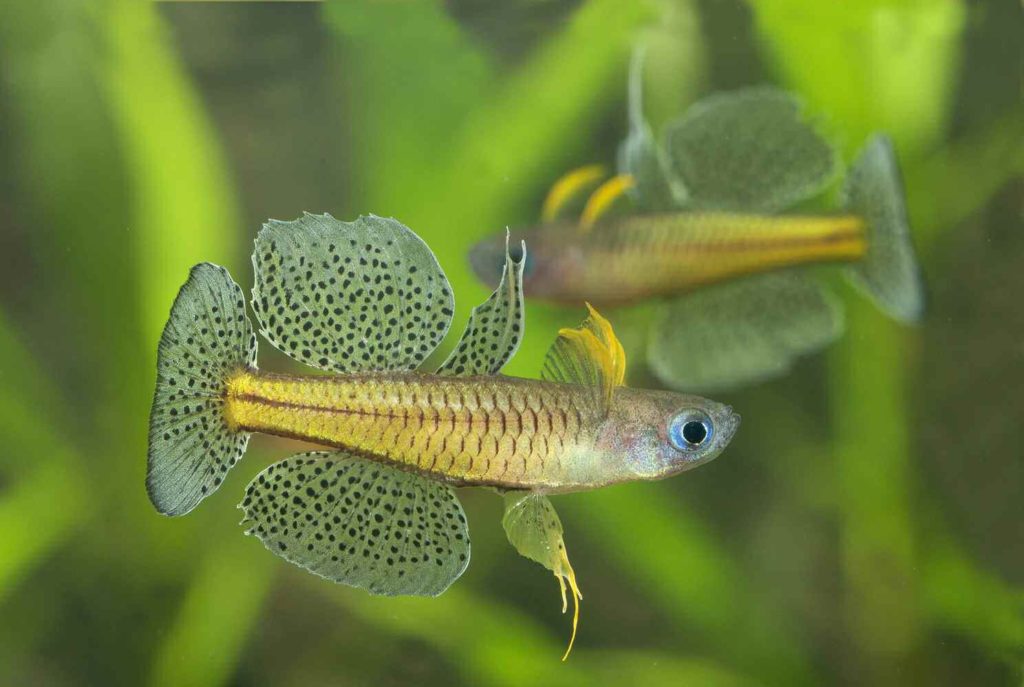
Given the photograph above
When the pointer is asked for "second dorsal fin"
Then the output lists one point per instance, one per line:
(589, 355)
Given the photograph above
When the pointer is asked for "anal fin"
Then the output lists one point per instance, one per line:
(360, 523)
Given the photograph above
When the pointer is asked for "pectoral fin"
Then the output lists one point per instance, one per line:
(533, 528)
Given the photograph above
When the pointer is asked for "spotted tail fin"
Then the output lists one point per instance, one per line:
(191, 444)
(889, 272)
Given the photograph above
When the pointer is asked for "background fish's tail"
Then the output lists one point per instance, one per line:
(889, 271)
(191, 444)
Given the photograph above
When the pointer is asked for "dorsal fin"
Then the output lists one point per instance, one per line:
(569, 187)
(603, 199)
(495, 327)
(589, 355)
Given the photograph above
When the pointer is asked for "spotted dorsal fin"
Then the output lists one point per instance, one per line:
(349, 296)
(589, 355)
(495, 327)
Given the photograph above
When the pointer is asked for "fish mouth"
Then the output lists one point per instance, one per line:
(730, 425)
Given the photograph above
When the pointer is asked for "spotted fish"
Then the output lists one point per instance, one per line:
(367, 303)
(707, 236)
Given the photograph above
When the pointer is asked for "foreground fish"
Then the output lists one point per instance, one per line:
(368, 302)
(707, 232)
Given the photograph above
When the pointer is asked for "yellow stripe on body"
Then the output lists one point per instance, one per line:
(474, 430)
(659, 255)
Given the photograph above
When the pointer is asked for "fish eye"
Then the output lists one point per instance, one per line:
(690, 429)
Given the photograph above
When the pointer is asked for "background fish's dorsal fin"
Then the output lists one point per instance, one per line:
(749, 150)
(568, 189)
(354, 296)
(495, 327)
(589, 355)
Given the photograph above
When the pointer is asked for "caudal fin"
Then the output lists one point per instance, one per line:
(206, 339)
(889, 271)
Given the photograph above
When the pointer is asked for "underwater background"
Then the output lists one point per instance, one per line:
(866, 526)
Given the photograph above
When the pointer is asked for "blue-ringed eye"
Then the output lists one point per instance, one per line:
(690, 429)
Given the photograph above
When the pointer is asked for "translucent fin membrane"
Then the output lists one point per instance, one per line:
(748, 151)
(206, 340)
(495, 327)
(534, 529)
(742, 331)
(350, 296)
(591, 356)
(360, 523)
(642, 158)
(889, 272)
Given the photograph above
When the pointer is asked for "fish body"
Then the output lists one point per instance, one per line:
(489, 430)
(629, 259)
(367, 303)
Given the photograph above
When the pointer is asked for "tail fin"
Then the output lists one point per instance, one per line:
(889, 271)
(206, 339)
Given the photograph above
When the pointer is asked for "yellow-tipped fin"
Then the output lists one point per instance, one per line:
(568, 187)
(534, 529)
(603, 198)
(590, 355)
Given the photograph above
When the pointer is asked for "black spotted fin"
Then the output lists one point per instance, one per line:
(495, 327)
(749, 150)
(589, 355)
(343, 296)
(746, 330)
(207, 338)
(360, 522)
(534, 529)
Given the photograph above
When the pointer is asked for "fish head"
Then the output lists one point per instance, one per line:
(651, 435)
(550, 262)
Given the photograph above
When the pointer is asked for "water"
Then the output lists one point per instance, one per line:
(865, 526)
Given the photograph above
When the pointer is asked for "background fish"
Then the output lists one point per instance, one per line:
(368, 302)
(708, 230)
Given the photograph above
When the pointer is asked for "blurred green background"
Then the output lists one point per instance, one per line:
(865, 527)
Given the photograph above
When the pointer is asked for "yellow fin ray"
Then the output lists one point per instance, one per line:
(589, 355)
(568, 187)
(534, 529)
(603, 199)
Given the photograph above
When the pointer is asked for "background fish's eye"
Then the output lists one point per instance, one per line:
(690, 429)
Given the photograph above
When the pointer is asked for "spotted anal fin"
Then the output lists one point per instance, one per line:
(749, 150)
(742, 331)
(567, 191)
(495, 327)
(589, 355)
(534, 529)
(349, 296)
(360, 523)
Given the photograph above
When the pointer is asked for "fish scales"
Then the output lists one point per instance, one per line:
(465, 430)
(658, 255)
